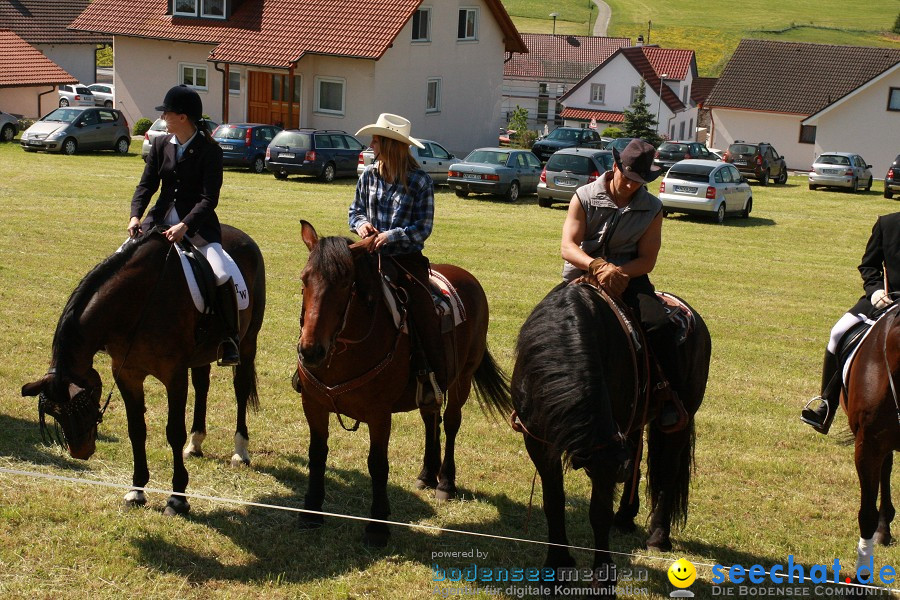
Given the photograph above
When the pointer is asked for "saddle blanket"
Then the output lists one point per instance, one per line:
(446, 300)
(848, 361)
(240, 286)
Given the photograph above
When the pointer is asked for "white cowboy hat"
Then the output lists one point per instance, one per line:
(391, 126)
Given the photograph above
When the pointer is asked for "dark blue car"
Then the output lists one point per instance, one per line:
(323, 153)
(244, 144)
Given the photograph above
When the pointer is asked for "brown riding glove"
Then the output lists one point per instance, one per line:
(609, 276)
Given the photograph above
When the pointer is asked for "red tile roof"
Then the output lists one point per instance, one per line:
(561, 57)
(22, 65)
(795, 77)
(45, 21)
(674, 62)
(701, 87)
(276, 33)
(602, 116)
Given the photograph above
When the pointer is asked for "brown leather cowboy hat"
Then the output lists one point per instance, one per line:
(636, 161)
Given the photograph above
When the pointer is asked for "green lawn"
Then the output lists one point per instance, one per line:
(766, 486)
(713, 29)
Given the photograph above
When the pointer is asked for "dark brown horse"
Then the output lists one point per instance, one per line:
(872, 404)
(353, 361)
(136, 306)
(573, 371)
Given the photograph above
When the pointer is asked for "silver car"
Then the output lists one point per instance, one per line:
(75, 128)
(706, 187)
(500, 171)
(569, 169)
(104, 94)
(433, 158)
(159, 128)
(9, 126)
(840, 169)
(75, 95)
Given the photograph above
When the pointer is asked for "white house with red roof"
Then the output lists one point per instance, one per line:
(28, 79)
(605, 92)
(553, 64)
(316, 63)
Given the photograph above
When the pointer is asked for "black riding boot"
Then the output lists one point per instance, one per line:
(226, 298)
(821, 416)
(665, 349)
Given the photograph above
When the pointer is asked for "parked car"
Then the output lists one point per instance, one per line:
(892, 179)
(758, 160)
(717, 154)
(506, 136)
(75, 95)
(565, 137)
(324, 153)
(706, 187)
(104, 94)
(619, 143)
(159, 128)
(245, 144)
(74, 128)
(500, 171)
(9, 127)
(840, 169)
(670, 153)
(433, 158)
(568, 170)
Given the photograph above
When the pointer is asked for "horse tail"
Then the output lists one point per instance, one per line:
(492, 386)
(671, 475)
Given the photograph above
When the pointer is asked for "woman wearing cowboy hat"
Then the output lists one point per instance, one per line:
(394, 210)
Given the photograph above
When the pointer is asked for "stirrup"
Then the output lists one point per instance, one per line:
(432, 398)
(821, 426)
(226, 358)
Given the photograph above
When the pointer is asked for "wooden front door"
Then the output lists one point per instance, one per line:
(271, 101)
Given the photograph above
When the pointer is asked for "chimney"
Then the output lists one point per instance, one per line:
(640, 40)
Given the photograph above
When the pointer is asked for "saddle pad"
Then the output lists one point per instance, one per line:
(240, 287)
(680, 315)
(448, 302)
(849, 361)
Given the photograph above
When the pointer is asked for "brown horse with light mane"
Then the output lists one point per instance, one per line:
(355, 361)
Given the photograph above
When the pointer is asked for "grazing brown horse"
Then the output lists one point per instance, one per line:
(136, 306)
(872, 404)
(355, 362)
(574, 369)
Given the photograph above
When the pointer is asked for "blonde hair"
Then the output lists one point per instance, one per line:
(395, 161)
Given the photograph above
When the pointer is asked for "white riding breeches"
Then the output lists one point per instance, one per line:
(841, 327)
(212, 252)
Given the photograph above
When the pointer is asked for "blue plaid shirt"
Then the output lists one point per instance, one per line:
(406, 215)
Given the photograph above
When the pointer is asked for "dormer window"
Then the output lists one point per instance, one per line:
(185, 8)
(213, 9)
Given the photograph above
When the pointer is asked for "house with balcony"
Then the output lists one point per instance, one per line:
(316, 63)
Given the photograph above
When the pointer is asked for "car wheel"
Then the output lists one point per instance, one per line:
(327, 173)
(782, 177)
(107, 104)
(887, 192)
(70, 146)
(854, 186)
(63, 102)
(665, 213)
(462, 194)
(745, 214)
(8, 133)
(512, 194)
(122, 145)
(813, 186)
(720, 214)
(544, 202)
(764, 178)
(869, 185)
(280, 175)
(259, 165)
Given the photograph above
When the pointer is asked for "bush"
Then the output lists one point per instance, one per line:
(141, 126)
(612, 132)
(897, 24)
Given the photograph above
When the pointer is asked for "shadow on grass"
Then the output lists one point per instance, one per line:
(21, 439)
(750, 221)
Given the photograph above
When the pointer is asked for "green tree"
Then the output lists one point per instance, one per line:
(897, 24)
(639, 121)
(524, 137)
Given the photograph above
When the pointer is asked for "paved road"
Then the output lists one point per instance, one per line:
(603, 15)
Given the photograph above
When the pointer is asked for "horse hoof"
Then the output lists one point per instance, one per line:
(188, 453)
(444, 495)
(135, 499)
(308, 522)
(176, 505)
(426, 484)
(239, 461)
(659, 540)
(624, 523)
(883, 538)
(376, 538)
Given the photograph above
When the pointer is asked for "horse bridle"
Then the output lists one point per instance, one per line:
(85, 400)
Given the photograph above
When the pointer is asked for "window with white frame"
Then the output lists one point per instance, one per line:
(433, 96)
(634, 94)
(421, 25)
(234, 82)
(598, 93)
(330, 95)
(187, 8)
(214, 8)
(192, 76)
(468, 24)
(893, 99)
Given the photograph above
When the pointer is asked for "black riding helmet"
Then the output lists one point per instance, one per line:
(183, 100)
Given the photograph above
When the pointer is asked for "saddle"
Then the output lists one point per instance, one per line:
(203, 274)
(853, 338)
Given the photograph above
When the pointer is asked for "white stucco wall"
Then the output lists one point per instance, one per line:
(79, 60)
(24, 100)
(862, 124)
(780, 130)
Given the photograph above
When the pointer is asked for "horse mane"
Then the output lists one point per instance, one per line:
(68, 333)
(331, 258)
(560, 387)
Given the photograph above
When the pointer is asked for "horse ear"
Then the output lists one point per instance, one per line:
(309, 235)
(34, 388)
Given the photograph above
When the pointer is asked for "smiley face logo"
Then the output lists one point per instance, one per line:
(682, 573)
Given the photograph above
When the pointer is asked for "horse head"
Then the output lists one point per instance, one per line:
(336, 272)
(74, 403)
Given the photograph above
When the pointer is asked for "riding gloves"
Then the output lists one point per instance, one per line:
(609, 276)
(880, 299)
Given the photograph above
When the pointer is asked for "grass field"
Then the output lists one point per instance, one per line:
(766, 486)
(713, 29)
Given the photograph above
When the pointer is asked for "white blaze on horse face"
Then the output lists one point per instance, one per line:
(241, 455)
(74, 390)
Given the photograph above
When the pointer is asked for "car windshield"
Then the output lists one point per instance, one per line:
(576, 163)
(63, 115)
(690, 172)
(742, 149)
(670, 147)
(833, 159)
(158, 125)
(489, 157)
(292, 139)
(83, 90)
(230, 133)
(563, 135)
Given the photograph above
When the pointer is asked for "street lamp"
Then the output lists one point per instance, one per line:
(553, 15)
(658, 106)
